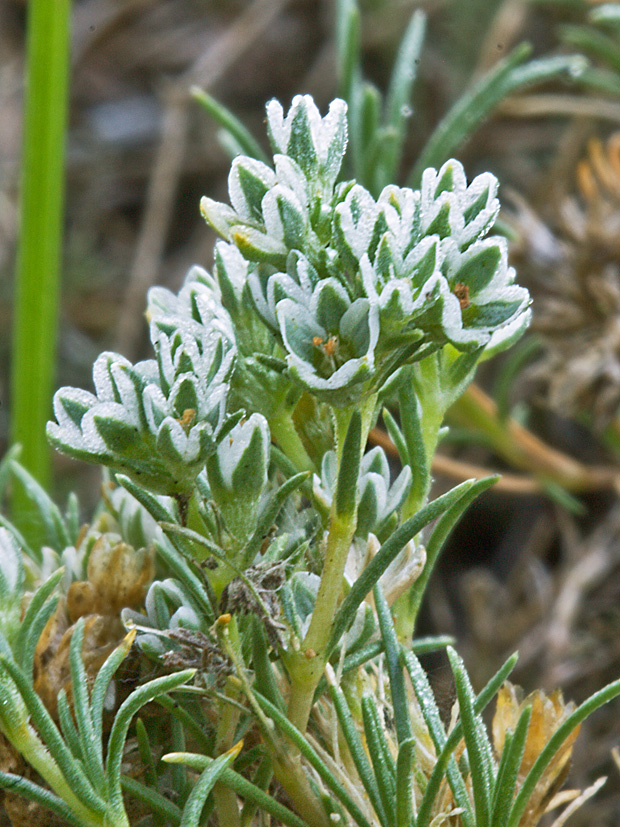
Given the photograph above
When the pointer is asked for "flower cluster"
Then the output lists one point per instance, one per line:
(159, 420)
(351, 286)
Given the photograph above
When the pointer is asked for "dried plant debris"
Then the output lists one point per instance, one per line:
(563, 617)
(575, 258)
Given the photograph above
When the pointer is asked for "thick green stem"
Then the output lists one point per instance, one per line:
(40, 239)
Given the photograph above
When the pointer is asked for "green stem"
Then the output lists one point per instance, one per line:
(426, 387)
(309, 665)
(290, 443)
(226, 803)
(40, 240)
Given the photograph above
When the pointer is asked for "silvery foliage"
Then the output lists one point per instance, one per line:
(159, 420)
(353, 286)
(377, 499)
(12, 585)
(299, 598)
(167, 607)
(237, 474)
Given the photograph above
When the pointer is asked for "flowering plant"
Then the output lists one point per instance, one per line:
(264, 569)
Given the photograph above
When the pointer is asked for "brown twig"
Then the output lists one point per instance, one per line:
(458, 470)
(513, 442)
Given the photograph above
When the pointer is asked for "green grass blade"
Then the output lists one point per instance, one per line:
(474, 734)
(389, 550)
(469, 112)
(358, 752)
(582, 712)
(232, 125)
(40, 239)
(508, 770)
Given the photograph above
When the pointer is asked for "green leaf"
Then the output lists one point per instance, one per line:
(48, 516)
(264, 680)
(116, 742)
(474, 734)
(69, 730)
(587, 39)
(348, 47)
(413, 435)
(39, 611)
(388, 552)
(18, 785)
(508, 770)
(404, 785)
(242, 787)
(358, 752)
(70, 767)
(91, 747)
(603, 696)
(311, 756)
(398, 102)
(231, 124)
(158, 804)
(400, 701)
(102, 681)
(468, 113)
(445, 756)
(440, 533)
(382, 761)
(348, 473)
(198, 796)
(432, 718)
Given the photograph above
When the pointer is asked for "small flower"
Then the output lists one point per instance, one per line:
(329, 341)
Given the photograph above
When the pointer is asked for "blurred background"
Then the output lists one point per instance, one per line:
(535, 566)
